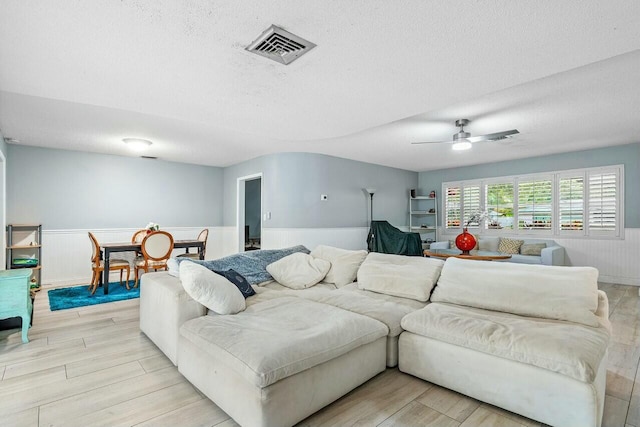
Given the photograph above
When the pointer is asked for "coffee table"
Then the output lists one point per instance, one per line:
(476, 255)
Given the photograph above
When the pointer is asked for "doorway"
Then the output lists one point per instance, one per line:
(249, 213)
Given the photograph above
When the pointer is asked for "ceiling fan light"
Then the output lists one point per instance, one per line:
(137, 144)
(461, 145)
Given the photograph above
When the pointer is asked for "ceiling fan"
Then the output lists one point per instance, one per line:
(463, 140)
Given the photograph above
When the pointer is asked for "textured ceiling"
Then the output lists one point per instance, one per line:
(83, 75)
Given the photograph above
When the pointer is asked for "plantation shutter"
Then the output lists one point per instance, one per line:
(535, 199)
(470, 203)
(603, 202)
(452, 207)
(571, 194)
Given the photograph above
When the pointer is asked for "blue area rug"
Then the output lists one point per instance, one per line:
(79, 296)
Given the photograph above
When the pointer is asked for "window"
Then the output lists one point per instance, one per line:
(571, 203)
(470, 204)
(535, 204)
(452, 207)
(584, 202)
(603, 203)
(499, 206)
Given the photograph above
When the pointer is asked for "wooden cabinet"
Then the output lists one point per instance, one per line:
(24, 250)
(423, 218)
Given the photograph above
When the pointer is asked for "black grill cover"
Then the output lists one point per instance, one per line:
(387, 239)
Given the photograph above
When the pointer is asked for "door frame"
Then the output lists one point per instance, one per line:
(3, 210)
(240, 208)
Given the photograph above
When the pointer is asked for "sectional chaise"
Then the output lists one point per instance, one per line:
(302, 333)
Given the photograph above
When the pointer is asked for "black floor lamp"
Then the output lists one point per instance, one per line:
(371, 192)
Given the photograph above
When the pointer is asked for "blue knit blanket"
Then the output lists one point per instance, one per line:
(251, 265)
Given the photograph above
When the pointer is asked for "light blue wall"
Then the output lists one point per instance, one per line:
(293, 183)
(76, 190)
(628, 155)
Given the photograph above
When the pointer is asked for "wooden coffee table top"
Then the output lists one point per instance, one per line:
(476, 255)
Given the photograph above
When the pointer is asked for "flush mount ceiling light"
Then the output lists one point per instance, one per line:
(137, 144)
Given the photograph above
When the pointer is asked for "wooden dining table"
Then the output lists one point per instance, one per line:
(109, 248)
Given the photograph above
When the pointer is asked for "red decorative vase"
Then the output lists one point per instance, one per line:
(465, 241)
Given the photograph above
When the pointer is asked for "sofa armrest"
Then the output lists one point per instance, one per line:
(553, 255)
(164, 307)
(439, 245)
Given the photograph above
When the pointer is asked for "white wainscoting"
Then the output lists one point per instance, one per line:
(618, 261)
(66, 254)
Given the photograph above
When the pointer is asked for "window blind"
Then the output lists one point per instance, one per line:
(571, 203)
(452, 207)
(470, 204)
(603, 201)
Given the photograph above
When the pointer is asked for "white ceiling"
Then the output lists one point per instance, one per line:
(82, 75)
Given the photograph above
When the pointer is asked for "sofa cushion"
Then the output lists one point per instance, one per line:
(210, 289)
(532, 248)
(264, 345)
(563, 293)
(510, 246)
(398, 275)
(388, 312)
(489, 244)
(299, 271)
(344, 263)
(563, 347)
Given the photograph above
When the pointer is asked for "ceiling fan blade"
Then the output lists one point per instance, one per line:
(432, 142)
(493, 136)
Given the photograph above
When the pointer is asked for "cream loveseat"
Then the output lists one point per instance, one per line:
(288, 352)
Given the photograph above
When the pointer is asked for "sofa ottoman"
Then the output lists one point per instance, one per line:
(280, 360)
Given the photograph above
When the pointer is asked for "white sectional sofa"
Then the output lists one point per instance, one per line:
(552, 254)
(489, 331)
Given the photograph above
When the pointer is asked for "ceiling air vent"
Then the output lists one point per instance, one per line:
(280, 45)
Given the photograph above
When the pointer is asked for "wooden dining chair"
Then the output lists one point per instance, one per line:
(156, 250)
(202, 237)
(137, 238)
(97, 265)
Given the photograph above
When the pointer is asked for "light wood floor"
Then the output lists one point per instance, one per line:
(93, 367)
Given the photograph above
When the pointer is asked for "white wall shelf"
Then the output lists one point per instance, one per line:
(423, 218)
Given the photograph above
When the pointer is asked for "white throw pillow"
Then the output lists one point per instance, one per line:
(561, 293)
(344, 263)
(401, 276)
(210, 289)
(299, 270)
(173, 267)
(489, 244)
